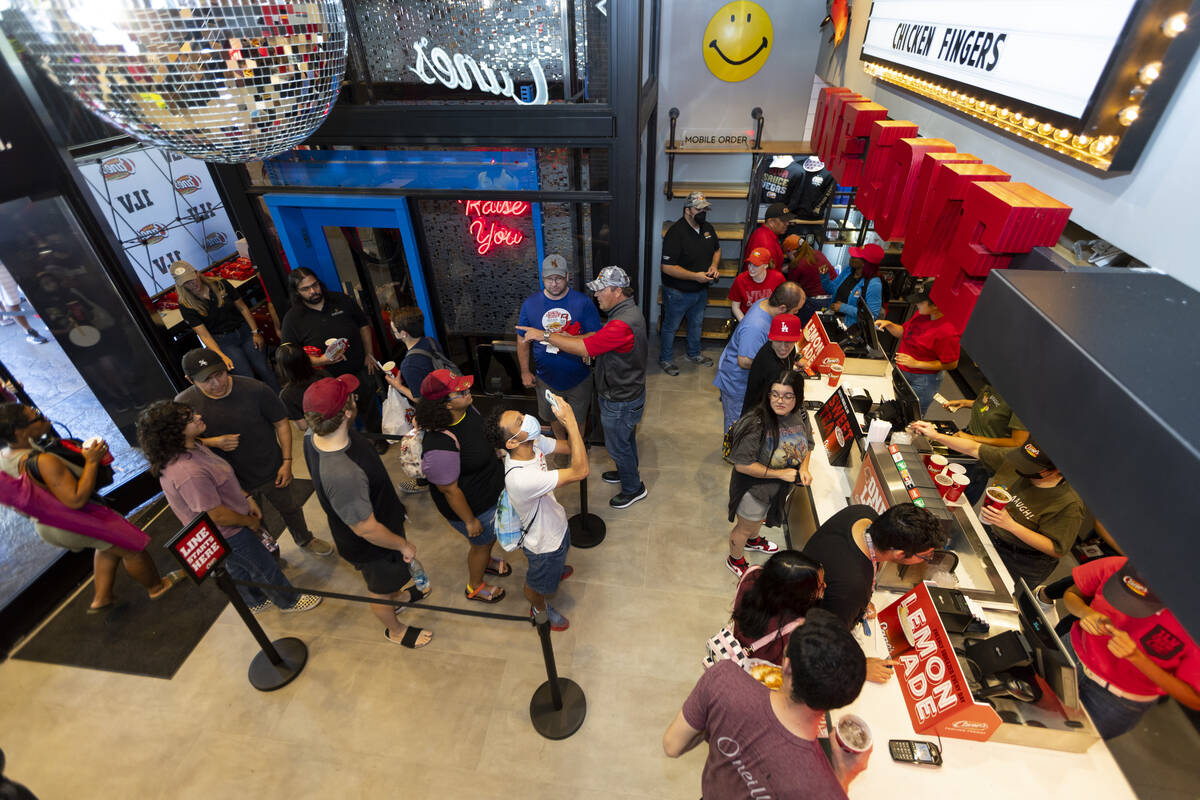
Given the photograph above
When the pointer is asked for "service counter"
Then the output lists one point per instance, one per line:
(1030, 753)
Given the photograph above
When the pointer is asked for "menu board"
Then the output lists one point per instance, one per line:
(816, 348)
(838, 427)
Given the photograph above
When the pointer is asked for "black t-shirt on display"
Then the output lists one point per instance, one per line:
(339, 317)
(684, 246)
(849, 574)
(250, 409)
(222, 317)
(481, 474)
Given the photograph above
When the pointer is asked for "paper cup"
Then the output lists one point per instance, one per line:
(853, 734)
(961, 482)
(390, 367)
(956, 469)
(944, 483)
(937, 462)
(996, 498)
(835, 374)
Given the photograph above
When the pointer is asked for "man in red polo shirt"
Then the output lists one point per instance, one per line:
(754, 284)
(928, 345)
(775, 222)
(1131, 648)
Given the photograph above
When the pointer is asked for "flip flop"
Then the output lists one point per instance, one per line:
(502, 571)
(409, 639)
(493, 595)
(171, 578)
(414, 596)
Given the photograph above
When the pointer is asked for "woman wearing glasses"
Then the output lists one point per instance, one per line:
(770, 447)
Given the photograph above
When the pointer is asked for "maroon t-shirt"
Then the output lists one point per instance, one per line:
(775, 649)
(750, 753)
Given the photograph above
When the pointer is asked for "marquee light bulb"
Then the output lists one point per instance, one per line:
(1062, 135)
(1031, 123)
(1045, 129)
(1128, 115)
(1174, 25)
(1003, 113)
(1149, 73)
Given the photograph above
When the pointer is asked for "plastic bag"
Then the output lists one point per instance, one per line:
(397, 414)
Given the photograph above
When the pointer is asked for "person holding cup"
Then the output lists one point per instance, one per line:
(1041, 518)
(770, 737)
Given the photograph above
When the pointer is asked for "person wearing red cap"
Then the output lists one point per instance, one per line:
(1130, 647)
(366, 517)
(928, 345)
(776, 356)
(465, 476)
(859, 279)
(755, 283)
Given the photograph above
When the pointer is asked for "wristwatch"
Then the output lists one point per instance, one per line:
(546, 337)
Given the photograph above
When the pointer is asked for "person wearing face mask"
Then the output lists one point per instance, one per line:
(558, 309)
(859, 279)
(1041, 523)
(776, 356)
(754, 284)
(690, 255)
(929, 343)
(770, 449)
(531, 484)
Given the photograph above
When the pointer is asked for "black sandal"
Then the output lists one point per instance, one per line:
(409, 639)
(490, 570)
(414, 596)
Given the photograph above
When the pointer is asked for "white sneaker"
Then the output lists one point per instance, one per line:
(261, 607)
(307, 602)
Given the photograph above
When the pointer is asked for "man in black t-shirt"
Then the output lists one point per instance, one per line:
(317, 316)
(366, 516)
(690, 255)
(854, 543)
(248, 426)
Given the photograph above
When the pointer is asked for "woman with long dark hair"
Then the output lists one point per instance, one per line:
(770, 597)
(860, 278)
(296, 373)
(770, 448)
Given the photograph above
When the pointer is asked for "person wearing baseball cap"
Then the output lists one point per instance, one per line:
(366, 517)
(1130, 648)
(754, 284)
(775, 222)
(691, 254)
(465, 477)
(556, 308)
(1043, 520)
(807, 196)
(619, 349)
(860, 278)
(778, 355)
(805, 265)
(929, 343)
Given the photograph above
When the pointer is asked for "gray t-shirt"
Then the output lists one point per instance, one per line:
(343, 486)
(250, 409)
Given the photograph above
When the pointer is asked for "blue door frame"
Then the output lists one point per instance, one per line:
(300, 220)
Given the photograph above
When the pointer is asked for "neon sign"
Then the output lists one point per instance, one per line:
(488, 233)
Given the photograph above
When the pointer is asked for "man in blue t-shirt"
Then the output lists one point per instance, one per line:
(558, 309)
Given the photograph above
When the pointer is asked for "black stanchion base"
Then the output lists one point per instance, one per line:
(564, 722)
(267, 677)
(587, 530)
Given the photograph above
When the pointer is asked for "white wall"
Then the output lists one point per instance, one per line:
(782, 88)
(1150, 213)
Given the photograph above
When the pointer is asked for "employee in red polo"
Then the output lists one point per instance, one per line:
(1130, 647)
(775, 222)
(929, 343)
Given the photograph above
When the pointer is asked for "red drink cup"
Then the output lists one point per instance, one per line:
(944, 483)
(835, 374)
(936, 464)
(956, 469)
(390, 367)
(853, 734)
(961, 482)
(996, 498)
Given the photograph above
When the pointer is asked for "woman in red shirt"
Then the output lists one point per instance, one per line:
(808, 265)
(928, 345)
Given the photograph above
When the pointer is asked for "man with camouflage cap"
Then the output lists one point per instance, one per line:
(690, 255)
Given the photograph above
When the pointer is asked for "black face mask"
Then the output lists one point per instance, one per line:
(700, 217)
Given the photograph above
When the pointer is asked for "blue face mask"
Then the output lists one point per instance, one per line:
(531, 427)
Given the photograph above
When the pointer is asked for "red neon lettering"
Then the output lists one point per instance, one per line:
(501, 208)
(488, 235)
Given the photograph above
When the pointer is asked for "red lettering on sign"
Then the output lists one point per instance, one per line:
(928, 244)
(488, 234)
(900, 179)
(884, 136)
(851, 140)
(823, 121)
(502, 208)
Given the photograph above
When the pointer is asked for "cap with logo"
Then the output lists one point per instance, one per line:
(778, 211)
(759, 257)
(608, 277)
(1029, 458)
(697, 201)
(183, 272)
(871, 253)
(328, 395)
(554, 264)
(441, 383)
(813, 164)
(790, 243)
(1128, 593)
(200, 364)
(786, 328)
(920, 292)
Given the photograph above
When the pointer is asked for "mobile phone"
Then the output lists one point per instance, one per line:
(915, 752)
(553, 403)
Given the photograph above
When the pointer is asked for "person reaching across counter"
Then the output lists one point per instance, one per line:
(773, 598)
(929, 343)
(992, 422)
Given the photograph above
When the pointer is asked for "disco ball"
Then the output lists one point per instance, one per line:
(221, 80)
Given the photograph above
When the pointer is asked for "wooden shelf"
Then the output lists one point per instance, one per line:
(728, 268)
(739, 191)
(717, 297)
(713, 329)
(726, 231)
(768, 148)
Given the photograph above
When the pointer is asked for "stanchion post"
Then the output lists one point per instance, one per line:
(279, 661)
(587, 530)
(558, 705)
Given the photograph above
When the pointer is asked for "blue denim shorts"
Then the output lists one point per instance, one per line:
(487, 518)
(546, 569)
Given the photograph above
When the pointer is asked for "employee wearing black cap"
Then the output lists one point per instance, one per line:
(928, 345)
(1043, 520)
(775, 222)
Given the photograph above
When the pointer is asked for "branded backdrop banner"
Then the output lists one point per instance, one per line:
(164, 208)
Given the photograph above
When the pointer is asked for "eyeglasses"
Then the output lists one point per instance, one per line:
(37, 417)
(928, 557)
(784, 397)
(308, 288)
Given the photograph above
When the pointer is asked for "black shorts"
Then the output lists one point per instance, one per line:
(385, 575)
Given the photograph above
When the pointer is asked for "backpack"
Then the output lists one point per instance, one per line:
(732, 436)
(412, 448)
(507, 522)
(439, 360)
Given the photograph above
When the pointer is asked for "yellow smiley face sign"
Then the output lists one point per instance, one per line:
(737, 41)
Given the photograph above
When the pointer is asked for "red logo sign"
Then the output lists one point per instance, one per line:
(215, 241)
(489, 234)
(868, 489)
(199, 547)
(818, 351)
(152, 233)
(186, 184)
(116, 168)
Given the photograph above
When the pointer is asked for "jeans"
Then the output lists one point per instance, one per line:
(924, 386)
(676, 306)
(1111, 715)
(731, 407)
(620, 419)
(250, 561)
(285, 502)
(247, 359)
(487, 519)
(979, 475)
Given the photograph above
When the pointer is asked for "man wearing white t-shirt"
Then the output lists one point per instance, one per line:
(531, 488)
